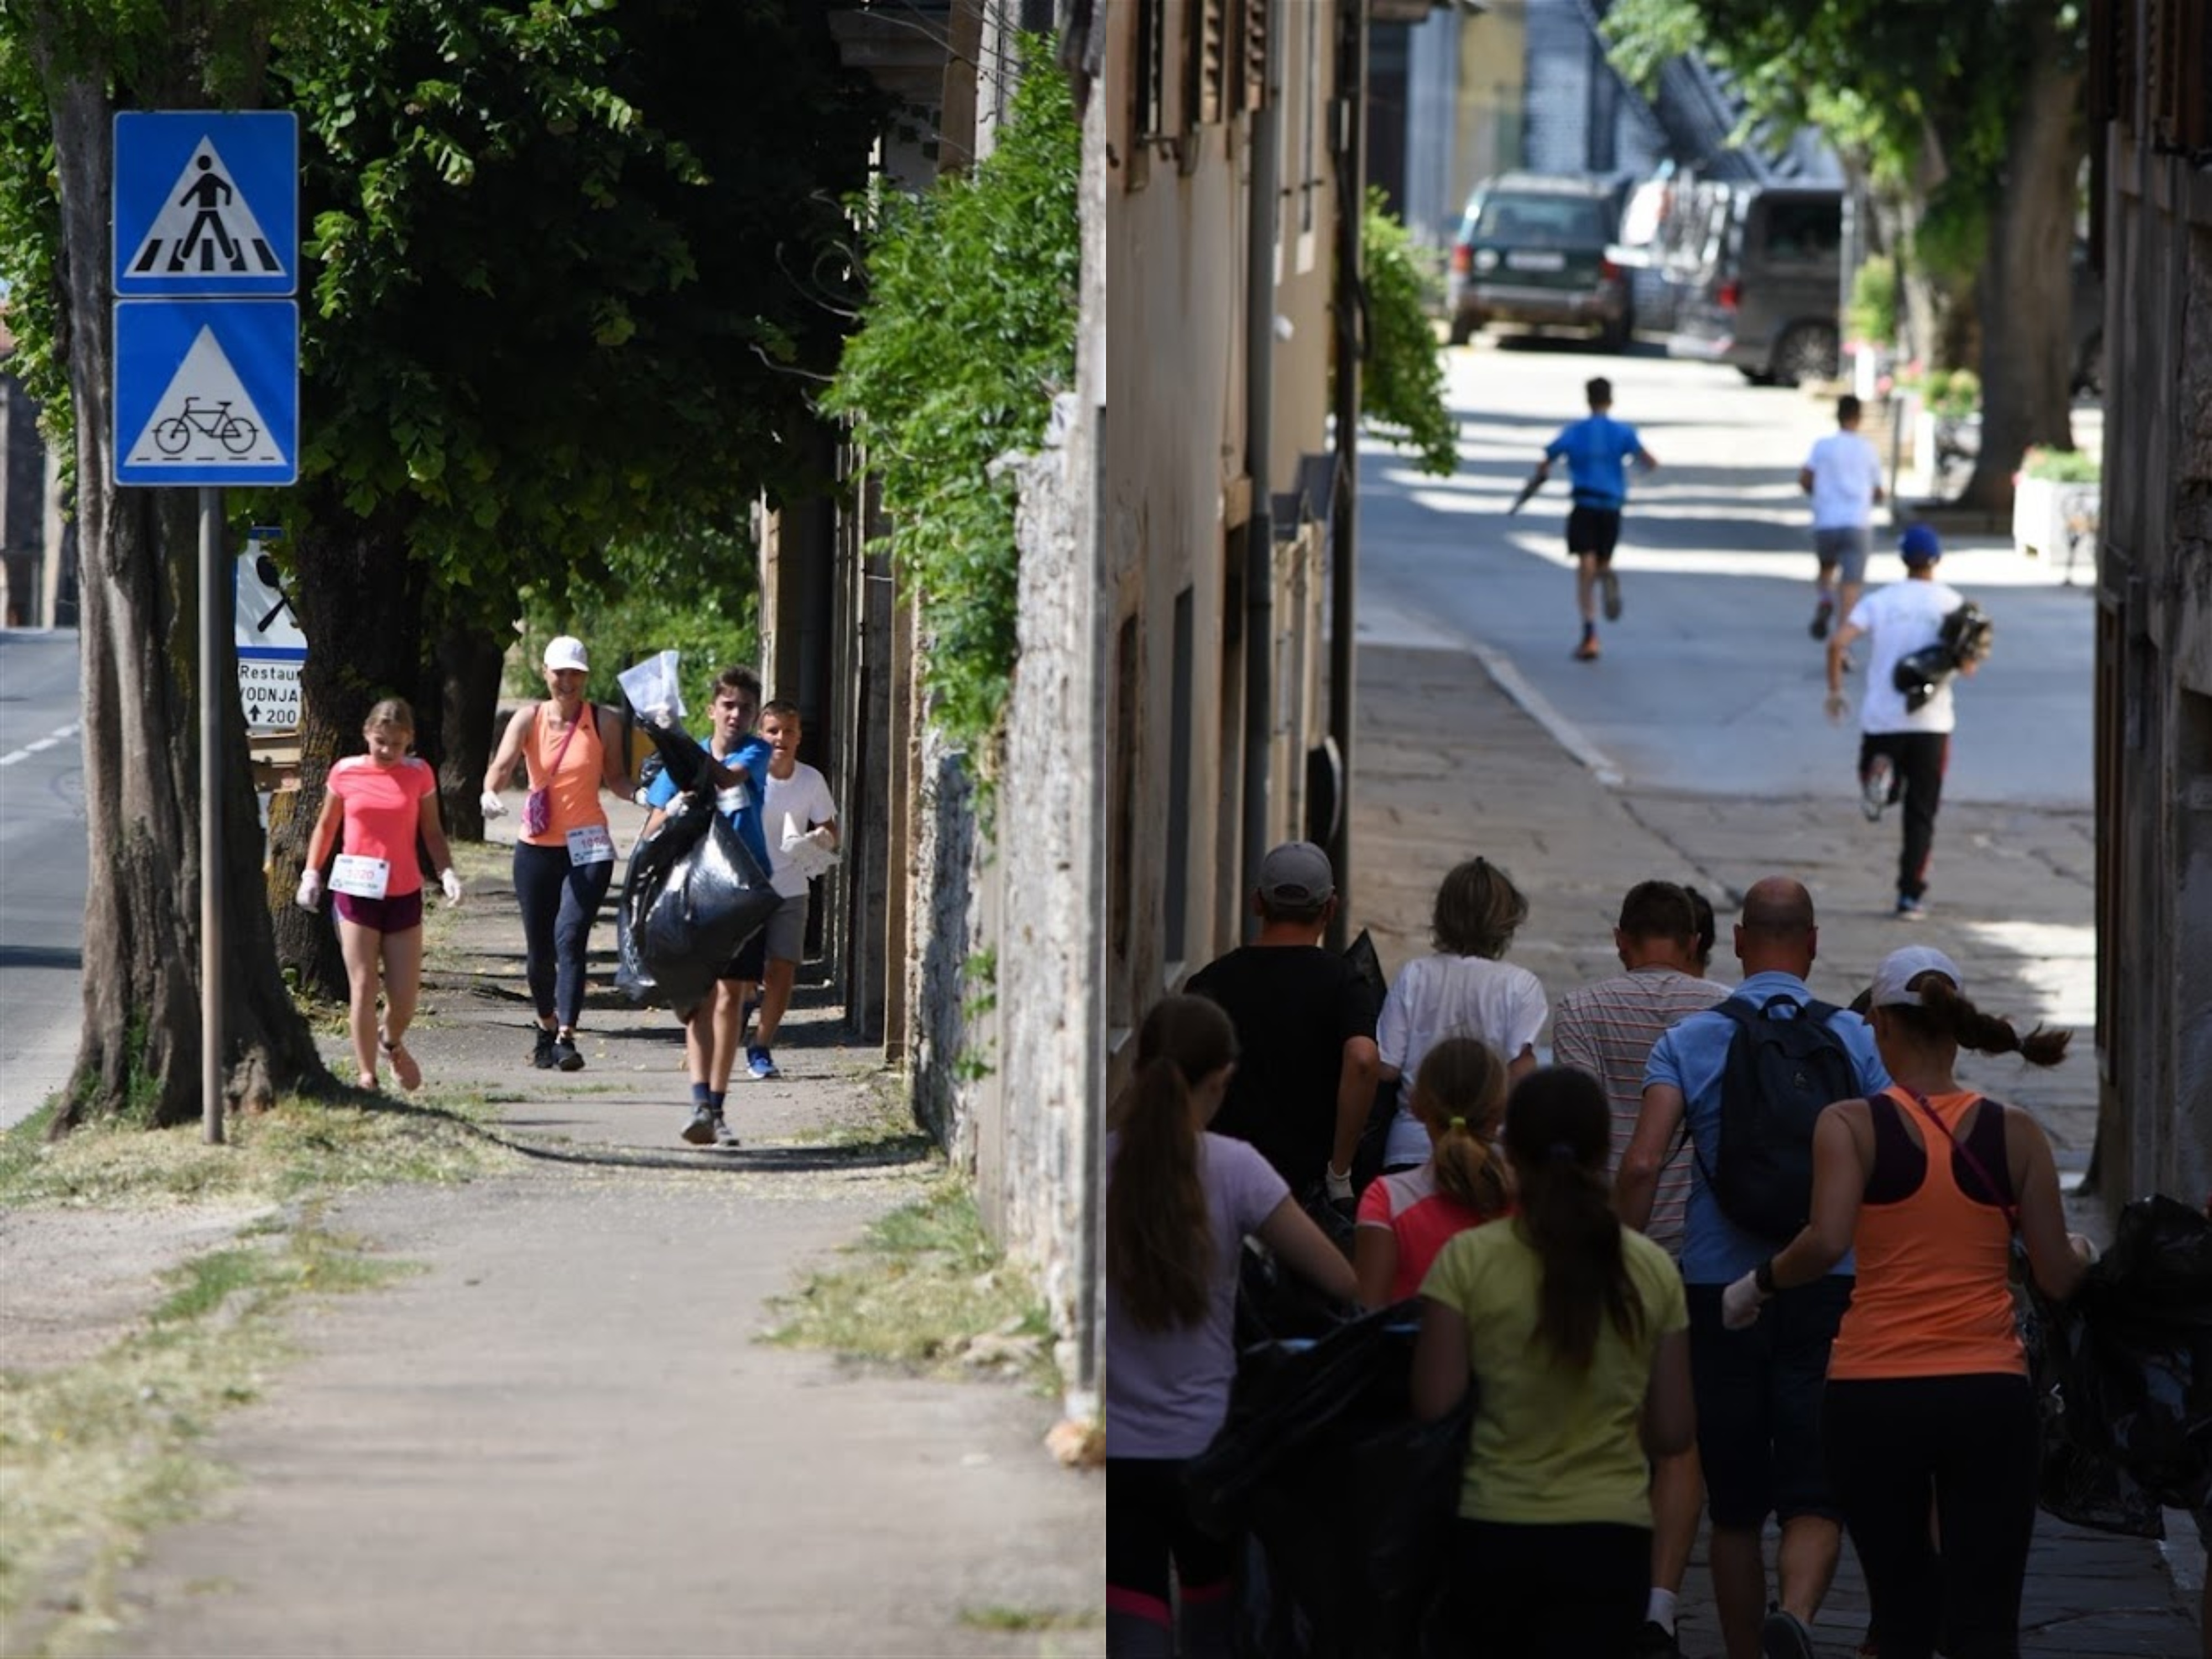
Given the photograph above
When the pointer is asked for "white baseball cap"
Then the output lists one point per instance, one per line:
(567, 651)
(1893, 981)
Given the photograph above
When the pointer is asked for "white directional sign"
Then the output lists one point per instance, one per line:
(207, 393)
(206, 203)
(270, 647)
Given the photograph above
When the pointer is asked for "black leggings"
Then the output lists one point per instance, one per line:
(1148, 1525)
(1569, 1590)
(1965, 1445)
(1919, 760)
(559, 901)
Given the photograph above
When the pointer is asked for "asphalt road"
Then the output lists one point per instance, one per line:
(42, 866)
(1710, 682)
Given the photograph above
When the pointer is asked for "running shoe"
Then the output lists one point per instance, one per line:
(1822, 615)
(1910, 908)
(1611, 584)
(565, 1056)
(1783, 1636)
(1587, 651)
(1875, 787)
(700, 1131)
(725, 1136)
(1656, 1641)
(542, 1056)
(759, 1064)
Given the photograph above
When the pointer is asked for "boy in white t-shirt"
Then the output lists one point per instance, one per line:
(796, 792)
(1842, 475)
(1903, 751)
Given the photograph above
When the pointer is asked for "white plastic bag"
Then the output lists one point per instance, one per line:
(651, 690)
(803, 852)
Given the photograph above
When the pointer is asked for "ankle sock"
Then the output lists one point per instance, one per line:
(717, 1098)
(700, 1095)
(1660, 1610)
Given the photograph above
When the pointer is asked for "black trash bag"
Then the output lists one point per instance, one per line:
(1367, 1160)
(2124, 1375)
(679, 752)
(1275, 1304)
(1347, 1499)
(696, 893)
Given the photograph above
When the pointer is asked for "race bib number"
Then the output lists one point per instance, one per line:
(591, 845)
(362, 877)
(734, 799)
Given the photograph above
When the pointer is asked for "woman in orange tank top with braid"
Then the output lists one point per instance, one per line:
(1928, 1400)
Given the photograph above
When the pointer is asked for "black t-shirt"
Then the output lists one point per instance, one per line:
(1294, 1007)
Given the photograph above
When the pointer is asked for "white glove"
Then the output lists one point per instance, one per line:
(1741, 1302)
(494, 808)
(823, 837)
(310, 896)
(1339, 1183)
(450, 880)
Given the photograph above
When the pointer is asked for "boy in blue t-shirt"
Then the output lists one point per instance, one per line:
(1596, 449)
(739, 772)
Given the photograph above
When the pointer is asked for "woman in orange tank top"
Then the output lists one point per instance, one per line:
(1928, 1400)
(564, 855)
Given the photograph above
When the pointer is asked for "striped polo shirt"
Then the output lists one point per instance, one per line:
(1607, 1030)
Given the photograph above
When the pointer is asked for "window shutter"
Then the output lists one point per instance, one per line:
(1209, 60)
(1254, 87)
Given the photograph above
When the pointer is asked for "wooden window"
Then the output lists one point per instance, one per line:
(1208, 64)
(1149, 111)
(1252, 76)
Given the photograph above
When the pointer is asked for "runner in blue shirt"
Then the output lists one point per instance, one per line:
(1596, 450)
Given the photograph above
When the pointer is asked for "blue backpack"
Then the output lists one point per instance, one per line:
(1783, 1069)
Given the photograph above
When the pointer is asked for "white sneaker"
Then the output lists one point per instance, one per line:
(1874, 788)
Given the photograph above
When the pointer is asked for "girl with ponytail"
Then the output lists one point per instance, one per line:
(1928, 1400)
(1179, 1201)
(1575, 1331)
(1405, 1218)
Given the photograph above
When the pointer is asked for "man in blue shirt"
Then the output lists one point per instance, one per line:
(739, 762)
(1759, 1404)
(1596, 450)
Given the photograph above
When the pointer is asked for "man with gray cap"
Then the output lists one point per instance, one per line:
(1306, 1064)
(1904, 744)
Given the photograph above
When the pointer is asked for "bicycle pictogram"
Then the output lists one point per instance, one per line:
(233, 432)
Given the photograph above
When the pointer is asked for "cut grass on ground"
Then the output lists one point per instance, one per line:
(95, 1454)
(926, 1289)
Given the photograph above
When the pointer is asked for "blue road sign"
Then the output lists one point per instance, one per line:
(207, 391)
(206, 203)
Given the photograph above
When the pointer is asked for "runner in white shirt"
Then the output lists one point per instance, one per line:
(1842, 475)
(796, 799)
(1904, 752)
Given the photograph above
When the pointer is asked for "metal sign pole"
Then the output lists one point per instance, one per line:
(213, 615)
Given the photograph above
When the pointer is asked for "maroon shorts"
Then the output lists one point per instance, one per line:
(395, 914)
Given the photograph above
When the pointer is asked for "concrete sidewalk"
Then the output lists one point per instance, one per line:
(561, 1438)
(1448, 765)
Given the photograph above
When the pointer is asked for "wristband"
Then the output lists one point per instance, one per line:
(1763, 1276)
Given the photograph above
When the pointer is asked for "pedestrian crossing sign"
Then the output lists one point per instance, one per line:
(206, 203)
(207, 393)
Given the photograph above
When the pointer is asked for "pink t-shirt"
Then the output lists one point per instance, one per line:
(1167, 1392)
(383, 809)
(1421, 1218)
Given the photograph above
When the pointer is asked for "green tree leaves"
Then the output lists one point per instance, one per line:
(1402, 389)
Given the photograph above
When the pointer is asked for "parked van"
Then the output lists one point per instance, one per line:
(1760, 292)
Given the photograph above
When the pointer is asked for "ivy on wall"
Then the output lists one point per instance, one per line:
(1402, 385)
(966, 335)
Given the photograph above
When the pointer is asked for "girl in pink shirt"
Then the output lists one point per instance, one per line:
(1459, 1096)
(384, 800)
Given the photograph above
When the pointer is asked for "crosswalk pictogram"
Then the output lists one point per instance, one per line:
(206, 226)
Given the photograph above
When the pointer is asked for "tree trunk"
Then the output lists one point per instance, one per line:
(140, 1047)
(470, 660)
(2026, 284)
(359, 597)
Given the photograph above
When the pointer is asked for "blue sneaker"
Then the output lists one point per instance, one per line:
(759, 1064)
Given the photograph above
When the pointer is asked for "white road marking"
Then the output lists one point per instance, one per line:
(53, 739)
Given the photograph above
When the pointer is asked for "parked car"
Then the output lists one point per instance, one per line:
(1763, 293)
(1533, 249)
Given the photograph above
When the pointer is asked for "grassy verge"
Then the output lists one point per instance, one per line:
(925, 1290)
(94, 1454)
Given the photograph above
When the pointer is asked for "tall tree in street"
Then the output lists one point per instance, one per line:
(1973, 114)
(68, 68)
(566, 294)
(558, 291)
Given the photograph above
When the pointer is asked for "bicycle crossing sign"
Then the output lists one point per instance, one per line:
(206, 203)
(207, 393)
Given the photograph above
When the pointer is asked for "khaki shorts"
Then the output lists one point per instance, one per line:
(782, 937)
